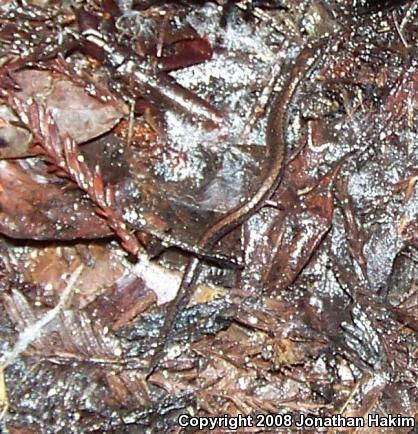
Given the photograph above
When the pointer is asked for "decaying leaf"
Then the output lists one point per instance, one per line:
(127, 130)
(26, 208)
(76, 113)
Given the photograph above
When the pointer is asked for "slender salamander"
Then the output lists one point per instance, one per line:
(276, 140)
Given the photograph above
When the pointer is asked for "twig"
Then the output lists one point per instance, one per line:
(4, 401)
(412, 9)
(131, 123)
(399, 30)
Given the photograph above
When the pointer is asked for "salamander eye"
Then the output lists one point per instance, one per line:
(369, 6)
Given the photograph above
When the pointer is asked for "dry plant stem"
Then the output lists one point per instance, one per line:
(4, 401)
(399, 30)
(410, 12)
(276, 139)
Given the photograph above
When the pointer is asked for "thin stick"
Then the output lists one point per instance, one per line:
(399, 30)
(413, 8)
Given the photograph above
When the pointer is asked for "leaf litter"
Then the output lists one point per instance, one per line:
(308, 307)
